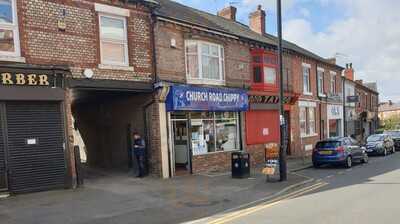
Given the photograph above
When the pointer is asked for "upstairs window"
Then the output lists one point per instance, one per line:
(9, 36)
(321, 82)
(333, 83)
(113, 40)
(264, 68)
(306, 79)
(204, 62)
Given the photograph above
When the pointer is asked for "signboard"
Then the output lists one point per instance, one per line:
(335, 112)
(255, 99)
(19, 79)
(352, 99)
(191, 98)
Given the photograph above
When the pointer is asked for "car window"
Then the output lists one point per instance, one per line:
(375, 138)
(328, 144)
(394, 134)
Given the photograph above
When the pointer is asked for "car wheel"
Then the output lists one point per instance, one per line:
(365, 159)
(349, 162)
(316, 165)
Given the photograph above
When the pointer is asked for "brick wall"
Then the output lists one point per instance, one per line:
(42, 42)
(171, 60)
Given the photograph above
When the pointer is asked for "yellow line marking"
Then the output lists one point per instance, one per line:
(244, 212)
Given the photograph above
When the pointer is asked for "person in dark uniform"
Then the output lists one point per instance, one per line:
(138, 153)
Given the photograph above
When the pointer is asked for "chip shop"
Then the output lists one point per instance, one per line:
(204, 127)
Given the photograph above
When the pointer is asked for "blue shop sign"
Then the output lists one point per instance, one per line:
(191, 98)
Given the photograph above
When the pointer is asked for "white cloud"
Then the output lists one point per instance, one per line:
(305, 12)
(369, 35)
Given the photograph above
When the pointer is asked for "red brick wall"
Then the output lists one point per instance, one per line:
(218, 162)
(78, 46)
(171, 60)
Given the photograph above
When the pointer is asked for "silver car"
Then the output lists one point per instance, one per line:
(380, 144)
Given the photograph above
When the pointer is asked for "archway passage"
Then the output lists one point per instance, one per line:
(103, 125)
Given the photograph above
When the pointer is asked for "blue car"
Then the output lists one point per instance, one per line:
(340, 150)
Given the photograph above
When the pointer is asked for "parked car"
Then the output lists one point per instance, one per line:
(396, 138)
(341, 150)
(380, 144)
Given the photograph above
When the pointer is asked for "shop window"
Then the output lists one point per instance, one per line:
(9, 36)
(307, 121)
(113, 40)
(306, 79)
(214, 132)
(204, 62)
(321, 82)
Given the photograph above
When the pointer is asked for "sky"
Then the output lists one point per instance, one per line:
(363, 32)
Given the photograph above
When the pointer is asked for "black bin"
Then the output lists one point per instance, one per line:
(240, 165)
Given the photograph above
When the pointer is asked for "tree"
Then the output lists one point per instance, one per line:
(392, 123)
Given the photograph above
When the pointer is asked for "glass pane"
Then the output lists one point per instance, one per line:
(7, 40)
(205, 49)
(269, 75)
(214, 50)
(257, 74)
(191, 48)
(113, 52)
(6, 11)
(201, 115)
(193, 66)
(209, 135)
(112, 28)
(226, 135)
(225, 115)
(210, 67)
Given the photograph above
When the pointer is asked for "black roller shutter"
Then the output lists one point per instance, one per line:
(35, 146)
(3, 182)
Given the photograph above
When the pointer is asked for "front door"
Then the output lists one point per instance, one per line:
(181, 147)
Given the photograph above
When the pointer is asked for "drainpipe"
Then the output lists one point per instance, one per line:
(344, 106)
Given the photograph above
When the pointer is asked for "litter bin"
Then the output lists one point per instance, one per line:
(240, 165)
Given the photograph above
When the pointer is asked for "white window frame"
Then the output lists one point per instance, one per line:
(14, 27)
(310, 124)
(307, 90)
(320, 77)
(333, 83)
(125, 41)
(200, 79)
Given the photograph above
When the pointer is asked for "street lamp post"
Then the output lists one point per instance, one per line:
(282, 146)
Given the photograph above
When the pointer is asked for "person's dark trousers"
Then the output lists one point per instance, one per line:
(140, 164)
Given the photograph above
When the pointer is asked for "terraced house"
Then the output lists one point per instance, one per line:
(202, 52)
(67, 66)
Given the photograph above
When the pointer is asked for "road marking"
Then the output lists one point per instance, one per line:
(245, 212)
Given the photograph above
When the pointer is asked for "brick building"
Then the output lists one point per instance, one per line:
(91, 61)
(249, 63)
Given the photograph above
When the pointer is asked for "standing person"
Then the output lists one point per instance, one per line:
(138, 152)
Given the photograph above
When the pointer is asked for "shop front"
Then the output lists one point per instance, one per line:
(262, 122)
(204, 127)
(335, 120)
(33, 147)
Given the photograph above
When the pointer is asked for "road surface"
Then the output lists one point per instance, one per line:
(365, 194)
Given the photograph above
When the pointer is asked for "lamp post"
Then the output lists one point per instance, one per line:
(282, 145)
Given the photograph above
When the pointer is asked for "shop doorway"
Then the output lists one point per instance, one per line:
(181, 146)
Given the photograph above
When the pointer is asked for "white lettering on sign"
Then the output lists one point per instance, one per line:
(212, 97)
(265, 131)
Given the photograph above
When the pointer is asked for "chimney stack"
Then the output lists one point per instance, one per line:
(349, 71)
(257, 20)
(228, 13)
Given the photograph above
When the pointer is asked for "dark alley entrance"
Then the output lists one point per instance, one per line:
(103, 125)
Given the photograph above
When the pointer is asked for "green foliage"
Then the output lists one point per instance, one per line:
(392, 123)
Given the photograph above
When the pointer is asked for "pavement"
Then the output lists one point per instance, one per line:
(365, 193)
(119, 198)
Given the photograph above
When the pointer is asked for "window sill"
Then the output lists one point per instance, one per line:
(211, 153)
(307, 93)
(321, 95)
(206, 82)
(116, 67)
(12, 58)
(309, 136)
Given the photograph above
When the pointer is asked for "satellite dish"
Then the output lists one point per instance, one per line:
(88, 73)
